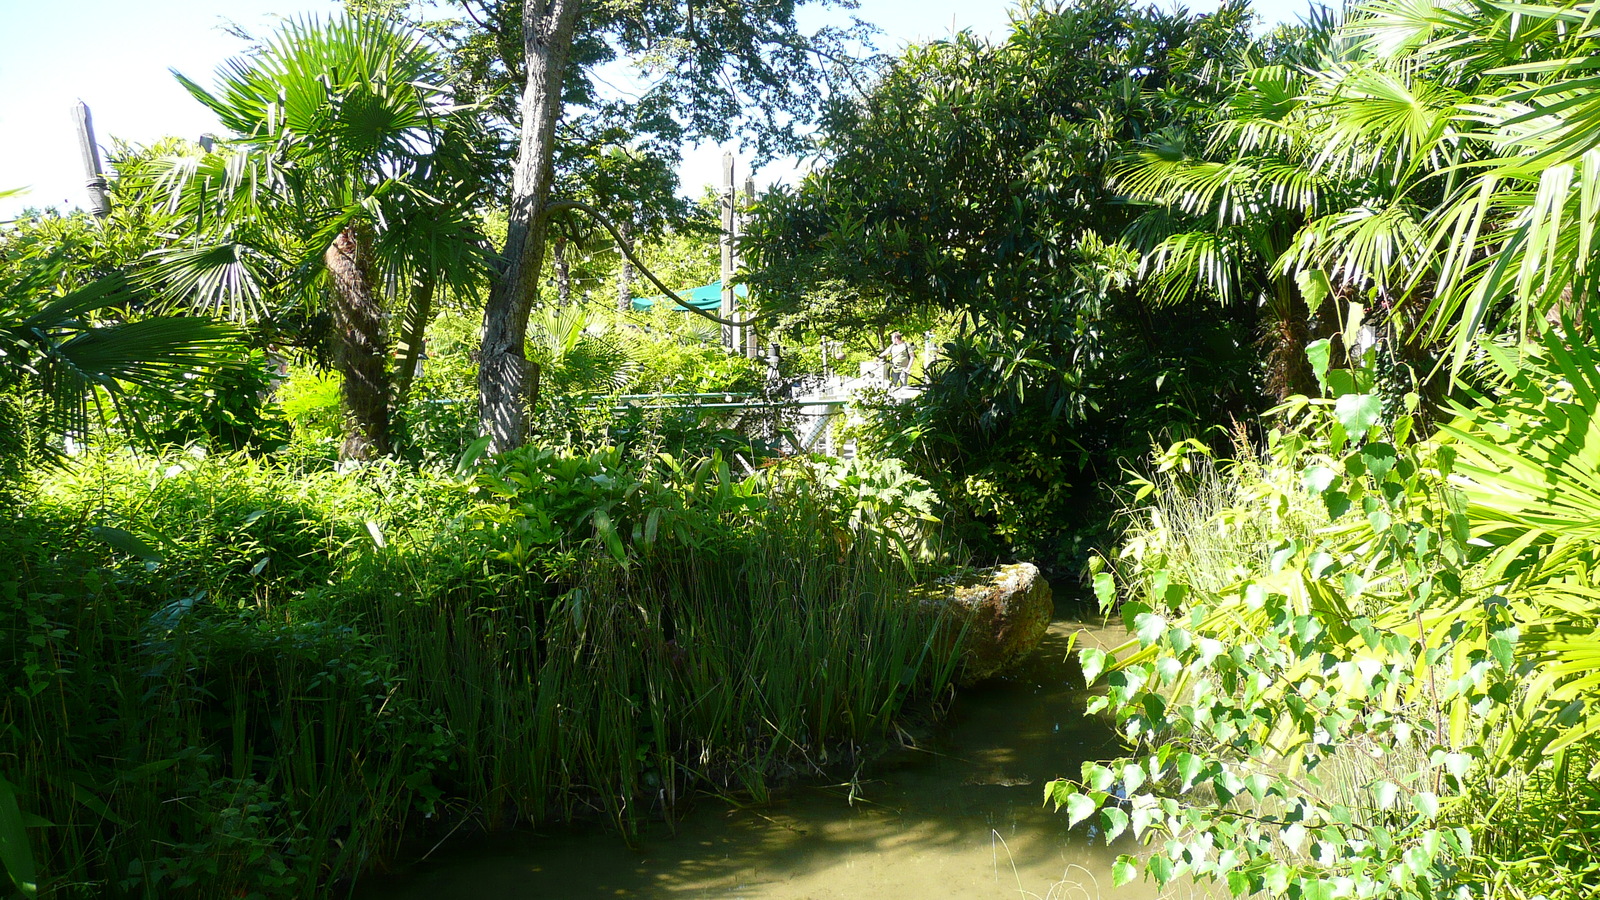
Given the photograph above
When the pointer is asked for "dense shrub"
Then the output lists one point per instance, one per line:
(1024, 433)
(1363, 662)
(231, 681)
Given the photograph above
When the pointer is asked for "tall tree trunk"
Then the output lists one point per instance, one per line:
(547, 30)
(625, 271)
(361, 348)
(563, 273)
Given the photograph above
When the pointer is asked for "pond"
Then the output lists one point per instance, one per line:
(959, 817)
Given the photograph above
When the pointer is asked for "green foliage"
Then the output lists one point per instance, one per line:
(227, 408)
(1396, 152)
(970, 173)
(974, 179)
(1363, 665)
(323, 663)
(1308, 713)
(677, 355)
(1019, 429)
(70, 350)
(1524, 467)
(576, 353)
(310, 402)
(634, 509)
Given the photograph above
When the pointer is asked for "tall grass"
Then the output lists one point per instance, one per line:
(1211, 524)
(229, 682)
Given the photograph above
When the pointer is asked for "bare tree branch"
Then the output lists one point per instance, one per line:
(627, 249)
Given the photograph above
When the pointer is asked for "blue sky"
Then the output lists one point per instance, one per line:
(114, 55)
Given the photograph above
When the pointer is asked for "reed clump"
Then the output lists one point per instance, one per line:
(226, 681)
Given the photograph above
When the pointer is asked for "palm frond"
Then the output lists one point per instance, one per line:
(1368, 246)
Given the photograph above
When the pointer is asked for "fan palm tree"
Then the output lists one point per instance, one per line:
(1444, 154)
(1515, 236)
(65, 350)
(1374, 151)
(348, 176)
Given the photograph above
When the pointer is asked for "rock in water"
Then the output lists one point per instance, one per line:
(1006, 611)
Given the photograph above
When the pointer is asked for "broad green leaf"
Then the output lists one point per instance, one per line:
(1133, 777)
(1385, 793)
(1161, 869)
(1150, 627)
(1426, 803)
(1115, 822)
(1358, 413)
(1098, 777)
(15, 851)
(1318, 479)
(1379, 459)
(1079, 808)
(1123, 871)
(1093, 661)
(1319, 353)
(1105, 589)
(127, 542)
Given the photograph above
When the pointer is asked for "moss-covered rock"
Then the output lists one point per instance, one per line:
(1005, 610)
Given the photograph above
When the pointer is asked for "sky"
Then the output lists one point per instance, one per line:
(115, 55)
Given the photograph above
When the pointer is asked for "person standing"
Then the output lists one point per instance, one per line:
(898, 353)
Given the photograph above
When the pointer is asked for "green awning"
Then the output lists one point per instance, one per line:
(706, 296)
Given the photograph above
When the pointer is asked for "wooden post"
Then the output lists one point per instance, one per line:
(99, 203)
(730, 334)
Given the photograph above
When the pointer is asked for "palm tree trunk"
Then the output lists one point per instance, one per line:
(547, 28)
(361, 348)
(1288, 333)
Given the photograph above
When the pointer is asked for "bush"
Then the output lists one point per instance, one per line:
(321, 664)
(1024, 433)
(1362, 665)
(227, 408)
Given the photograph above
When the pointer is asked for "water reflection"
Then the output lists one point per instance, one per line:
(959, 818)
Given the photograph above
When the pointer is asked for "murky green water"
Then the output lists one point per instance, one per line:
(960, 818)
